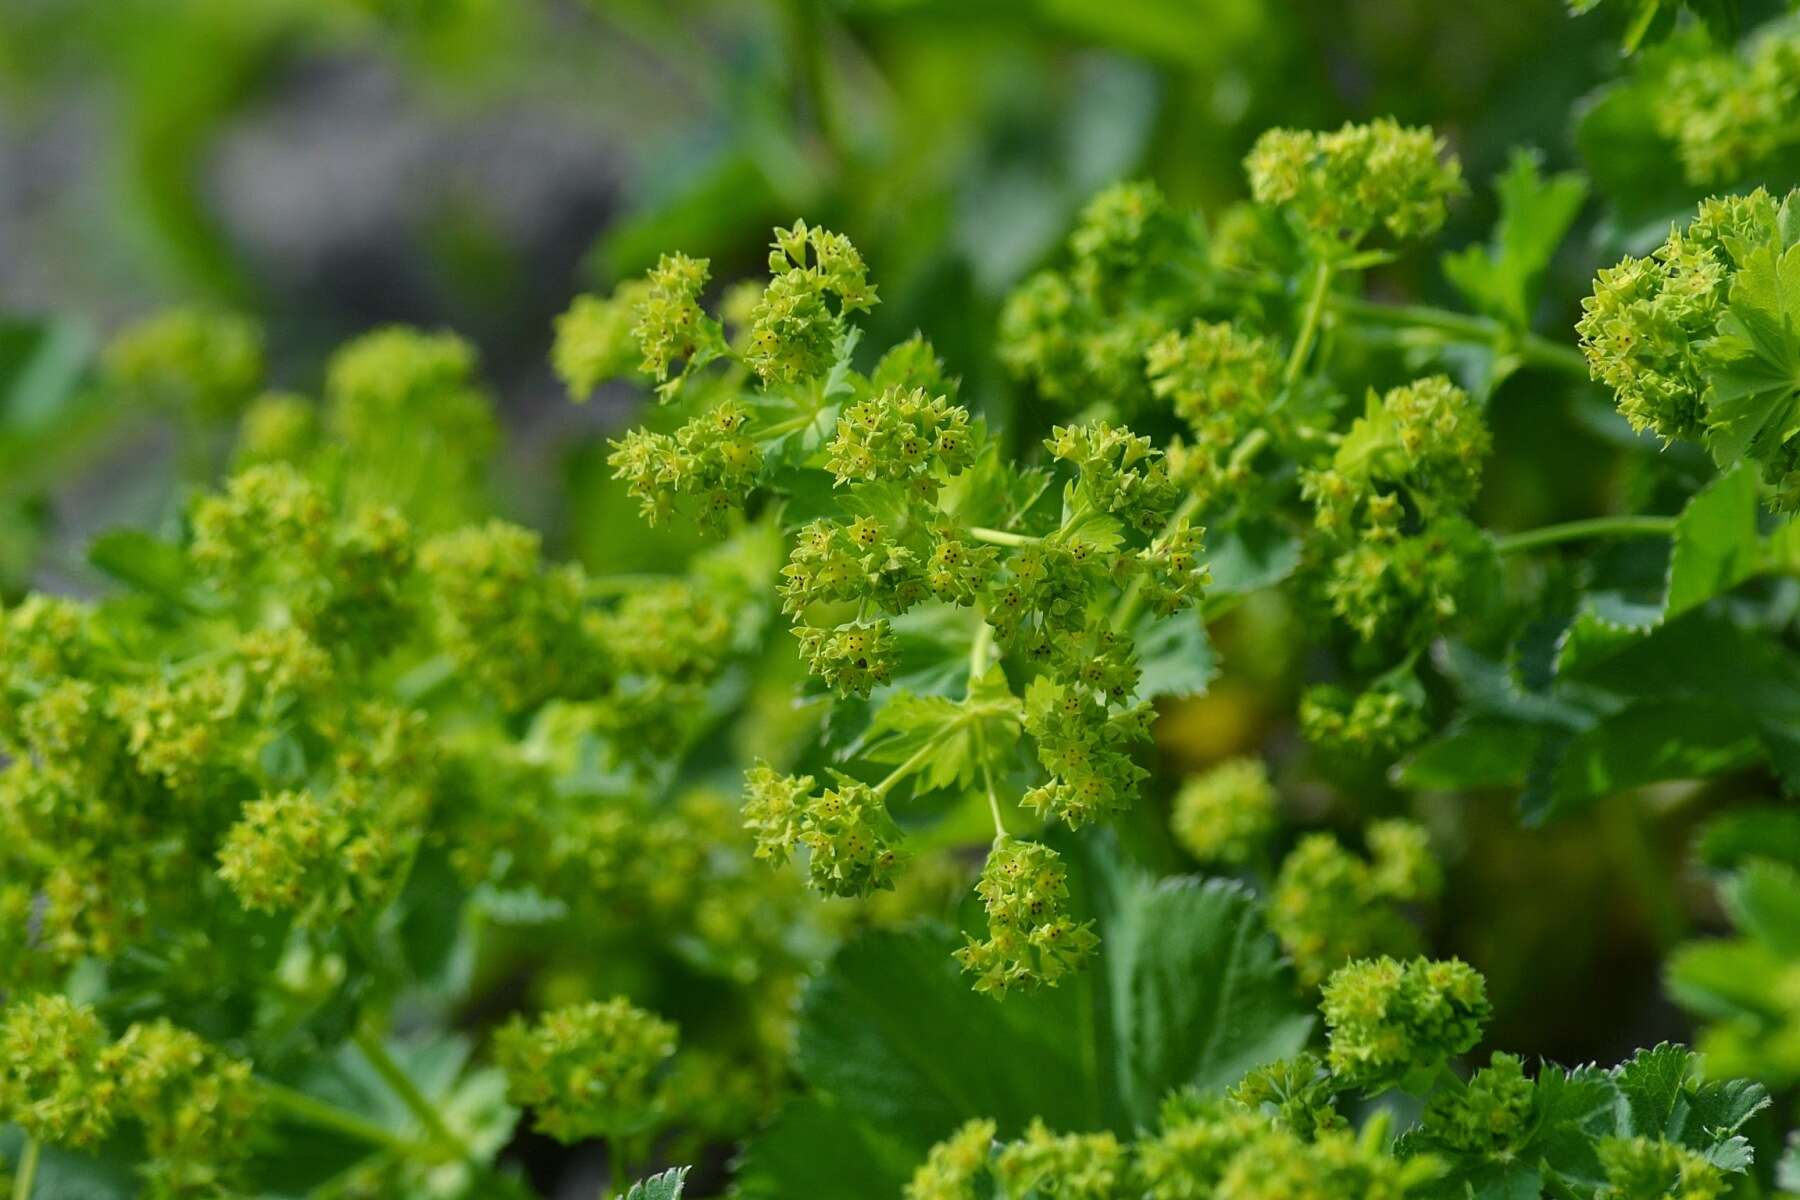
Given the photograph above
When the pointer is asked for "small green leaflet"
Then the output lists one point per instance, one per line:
(666, 1186)
(1753, 401)
(959, 732)
(896, 1050)
(1502, 278)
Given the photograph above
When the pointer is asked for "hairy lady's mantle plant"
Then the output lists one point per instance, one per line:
(267, 802)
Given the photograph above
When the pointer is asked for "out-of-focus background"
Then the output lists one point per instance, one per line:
(329, 166)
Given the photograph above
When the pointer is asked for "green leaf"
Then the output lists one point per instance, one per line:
(957, 732)
(1651, 742)
(1175, 655)
(666, 1186)
(897, 1050)
(1772, 833)
(1250, 557)
(1502, 278)
(814, 1148)
(1199, 992)
(1764, 901)
(144, 564)
(1753, 397)
(1470, 754)
(1715, 545)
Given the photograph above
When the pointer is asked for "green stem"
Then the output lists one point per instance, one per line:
(1127, 612)
(1000, 537)
(1245, 452)
(1484, 331)
(906, 768)
(978, 650)
(1592, 527)
(987, 778)
(408, 1091)
(1309, 324)
(309, 1111)
(28, 1165)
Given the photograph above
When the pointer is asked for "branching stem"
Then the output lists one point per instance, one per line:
(408, 1091)
(317, 1113)
(1309, 324)
(1592, 527)
(1482, 331)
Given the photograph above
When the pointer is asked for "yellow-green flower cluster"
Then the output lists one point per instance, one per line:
(1656, 1167)
(1393, 1023)
(901, 434)
(595, 340)
(1031, 940)
(670, 324)
(1080, 1166)
(1731, 113)
(710, 460)
(199, 1108)
(955, 1165)
(519, 629)
(410, 426)
(343, 580)
(204, 366)
(1226, 814)
(1086, 750)
(1120, 472)
(1489, 1118)
(1644, 324)
(65, 1081)
(1341, 186)
(851, 841)
(277, 427)
(1401, 560)
(1201, 1149)
(1225, 384)
(794, 331)
(1079, 334)
(58, 1071)
(1697, 340)
(1329, 905)
(588, 1070)
(1379, 721)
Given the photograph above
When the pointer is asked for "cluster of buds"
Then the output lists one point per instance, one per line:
(1031, 941)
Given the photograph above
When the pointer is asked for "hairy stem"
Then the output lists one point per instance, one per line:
(1309, 324)
(28, 1163)
(320, 1115)
(1592, 527)
(402, 1085)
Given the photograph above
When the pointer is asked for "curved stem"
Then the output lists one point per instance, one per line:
(1485, 331)
(1000, 537)
(1126, 614)
(1309, 324)
(317, 1113)
(987, 778)
(1593, 527)
(28, 1164)
(906, 768)
(408, 1091)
